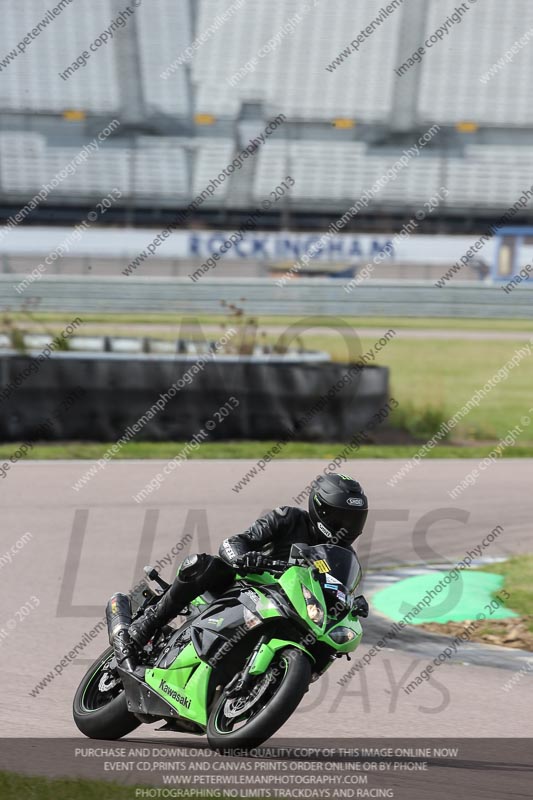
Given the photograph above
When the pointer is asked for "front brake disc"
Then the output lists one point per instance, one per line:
(239, 705)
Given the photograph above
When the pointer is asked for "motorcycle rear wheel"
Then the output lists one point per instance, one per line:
(249, 720)
(102, 714)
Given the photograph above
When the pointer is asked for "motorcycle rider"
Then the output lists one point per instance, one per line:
(337, 513)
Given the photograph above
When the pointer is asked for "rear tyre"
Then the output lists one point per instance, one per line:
(253, 717)
(100, 709)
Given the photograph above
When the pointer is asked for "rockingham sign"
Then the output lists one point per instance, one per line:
(281, 247)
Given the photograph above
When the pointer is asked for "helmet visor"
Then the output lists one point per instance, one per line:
(346, 521)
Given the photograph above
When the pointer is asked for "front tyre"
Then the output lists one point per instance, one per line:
(250, 719)
(100, 710)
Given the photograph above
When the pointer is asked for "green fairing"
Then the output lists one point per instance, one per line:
(267, 651)
(348, 622)
(264, 578)
(291, 582)
(188, 677)
(265, 607)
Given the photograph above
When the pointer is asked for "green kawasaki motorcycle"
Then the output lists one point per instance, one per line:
(241, 663)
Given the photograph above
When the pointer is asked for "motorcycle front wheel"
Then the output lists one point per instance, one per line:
(254, 716)
(100, 710)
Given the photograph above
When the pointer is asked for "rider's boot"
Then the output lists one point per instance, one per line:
(188, 584)
(145, 627)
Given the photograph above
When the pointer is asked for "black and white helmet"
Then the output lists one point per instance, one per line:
(338, 509)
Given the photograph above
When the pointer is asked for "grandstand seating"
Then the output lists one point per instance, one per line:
(488, 176)
(161, 168)
(31, 81)
(293, 79)
(166, 167)
(451, 89)
(157, 167)
(177, 169)
(320, 169)
(34, 83)
(211, 156)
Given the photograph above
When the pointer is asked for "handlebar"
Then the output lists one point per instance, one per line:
(273, 566)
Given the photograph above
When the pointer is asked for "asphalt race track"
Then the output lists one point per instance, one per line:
(89, 543)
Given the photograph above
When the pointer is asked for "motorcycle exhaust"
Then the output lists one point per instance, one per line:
(119, 618)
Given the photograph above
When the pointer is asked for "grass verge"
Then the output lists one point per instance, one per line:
(23, 787)
(515, 632)
(430, 323)
(430, 379)
(518, 581)
(252, 450)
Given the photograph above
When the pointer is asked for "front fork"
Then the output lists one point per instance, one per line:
(244, 678)
(259, 661)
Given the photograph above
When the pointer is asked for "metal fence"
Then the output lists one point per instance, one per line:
(298, 298)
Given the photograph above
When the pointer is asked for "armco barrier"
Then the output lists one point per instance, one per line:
(117, 390)
(261, 296)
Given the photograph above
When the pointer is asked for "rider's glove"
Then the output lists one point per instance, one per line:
(360, 606)
(253, 560)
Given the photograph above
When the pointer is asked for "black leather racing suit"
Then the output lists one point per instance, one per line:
(273, 535)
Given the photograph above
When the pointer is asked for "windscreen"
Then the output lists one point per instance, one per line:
(331, 561)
